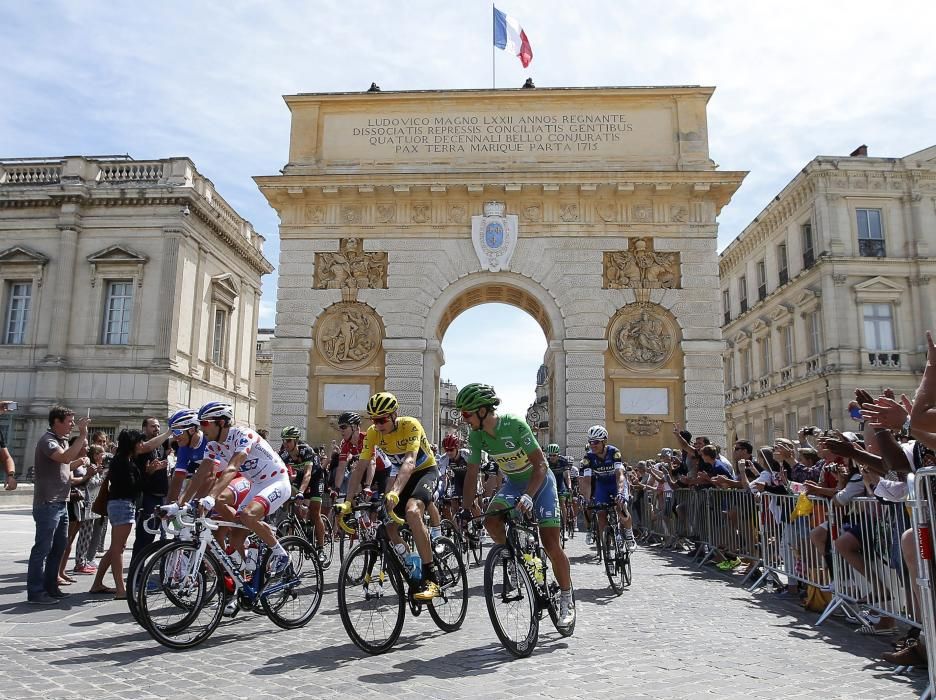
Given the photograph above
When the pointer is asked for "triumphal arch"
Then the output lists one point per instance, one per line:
(592, 209)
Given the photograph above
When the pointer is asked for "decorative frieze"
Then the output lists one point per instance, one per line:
(641, 267)
(350, 268)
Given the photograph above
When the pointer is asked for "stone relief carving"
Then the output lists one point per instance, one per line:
(457, 213)
(569, 212)
(533, 212)
(641, 267)
(643, 213)
(421, 213)
(348, 335)
(642, 338)
(643, 426)
(606, 211)
(386, 213)
(316, 214)
(679, 213)
(351, 215)
(350, 268)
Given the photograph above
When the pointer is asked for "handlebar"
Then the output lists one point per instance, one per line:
(393, 499)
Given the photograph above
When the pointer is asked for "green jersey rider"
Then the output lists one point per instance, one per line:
(529, 482)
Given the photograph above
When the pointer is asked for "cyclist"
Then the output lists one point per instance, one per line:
(308, 477)
(457, 460)
(560, 467)
(528, 480)
(575, 495)
(608, 481)
(404, 442)
(239, 452)
(191, 441)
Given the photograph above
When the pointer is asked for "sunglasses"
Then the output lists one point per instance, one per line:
(467, 414)
(342, 427)
(206, 423)
(380, 420)
(177, 433)
(595, 442)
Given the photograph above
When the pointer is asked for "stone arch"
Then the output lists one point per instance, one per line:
(505, 288)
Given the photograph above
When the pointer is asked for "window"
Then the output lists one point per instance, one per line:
(765, 360)
(786, 337)
(117, 312)
(220, 331)
(783, 271)
(745, 358)
(809, 253)
(791, 427)
(870, 233)
(813, 330)
(726, 305)
(729, 370)
(768, 430)
(742, 292)
(761, 280)
(878, 326)
(17, 313)
(819, 417)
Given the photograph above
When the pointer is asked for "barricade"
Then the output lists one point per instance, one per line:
(868, 567)
(920, 490)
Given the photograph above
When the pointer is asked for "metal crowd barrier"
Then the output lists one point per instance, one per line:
(920, 491)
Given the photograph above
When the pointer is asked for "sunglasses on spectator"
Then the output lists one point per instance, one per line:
(380, 420)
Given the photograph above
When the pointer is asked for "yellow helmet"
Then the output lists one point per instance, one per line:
(381, 404)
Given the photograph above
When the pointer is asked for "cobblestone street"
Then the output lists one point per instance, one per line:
(677, 632)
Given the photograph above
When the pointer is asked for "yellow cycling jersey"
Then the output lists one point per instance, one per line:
(407, 436)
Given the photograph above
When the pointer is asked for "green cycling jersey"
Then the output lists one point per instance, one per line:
(509, 448)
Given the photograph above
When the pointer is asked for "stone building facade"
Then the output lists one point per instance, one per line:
(129, 288)
(263, 379)
(594, 210)
(828, 289)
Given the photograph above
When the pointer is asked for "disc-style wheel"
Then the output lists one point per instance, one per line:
(291, 598)
(511, 602)
(371, 601)
(448, 610)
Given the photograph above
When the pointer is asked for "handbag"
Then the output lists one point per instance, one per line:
(99, 507)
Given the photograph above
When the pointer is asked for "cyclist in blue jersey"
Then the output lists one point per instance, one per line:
(608, 481)
(191, 441)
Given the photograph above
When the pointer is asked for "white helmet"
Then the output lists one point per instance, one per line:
(216, 410)
(597, 432)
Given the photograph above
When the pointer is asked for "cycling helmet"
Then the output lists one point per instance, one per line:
(215, 410)
(597, 432)
(290, 432)
(475, 396)
(552, 449)
(183, 420)
(381, 404)
(349, 418)
(451, 442)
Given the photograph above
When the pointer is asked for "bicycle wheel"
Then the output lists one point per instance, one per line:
(611, 559)
(291, 598)
(370, 598)
(185, 606)
(448, 610)
(511, 602)
(624, 566)
(475, 539)
(287, 527)
(595, 538)
(135, 576)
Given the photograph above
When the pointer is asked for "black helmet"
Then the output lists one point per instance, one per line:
(349, 418)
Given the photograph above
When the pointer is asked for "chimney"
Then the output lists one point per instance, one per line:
(860, 152)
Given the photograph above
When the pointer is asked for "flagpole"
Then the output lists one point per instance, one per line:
(493, 69)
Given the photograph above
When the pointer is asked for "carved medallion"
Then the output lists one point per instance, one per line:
(348, 335)
(607, 211)
(533, 212)
(316, 214)
(569, 212)
(351, 215)
(350, 268)
(457, 213)
(641, 267)
(386, 213)
(679, 213)
(643, 213)
(421, 213)
(641, 338)
(643, 426)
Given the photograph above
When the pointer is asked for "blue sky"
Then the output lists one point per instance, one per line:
(794, 79)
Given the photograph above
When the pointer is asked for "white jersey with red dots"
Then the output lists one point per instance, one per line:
(263, 468)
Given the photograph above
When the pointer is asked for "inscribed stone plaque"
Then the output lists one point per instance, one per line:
(345, 397)
(650, 401)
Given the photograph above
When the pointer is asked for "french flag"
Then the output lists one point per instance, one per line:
(509, 36)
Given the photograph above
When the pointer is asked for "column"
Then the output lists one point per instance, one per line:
(252, 390)
(195, 347)
(585, 406)
(433, 359)
(703, 369)
(291, 366)
(406, 377)
(558, 373)
(239, 339)
(64, 287)
(165, 348)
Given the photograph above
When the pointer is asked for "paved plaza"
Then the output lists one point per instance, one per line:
(677, 633)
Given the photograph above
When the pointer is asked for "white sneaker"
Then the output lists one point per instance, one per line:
(566, 614)
(231, 609)
(631, 544)
(278, 564)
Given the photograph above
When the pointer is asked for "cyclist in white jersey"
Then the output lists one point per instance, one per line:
(241, 452)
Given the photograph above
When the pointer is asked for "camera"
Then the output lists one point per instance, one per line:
(809, 431)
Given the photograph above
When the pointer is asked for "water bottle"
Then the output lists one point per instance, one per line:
(414, 566)
(538, 574)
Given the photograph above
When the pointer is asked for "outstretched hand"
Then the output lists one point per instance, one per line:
(923, 410)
